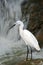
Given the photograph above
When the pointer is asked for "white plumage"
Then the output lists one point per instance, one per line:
(28, 37)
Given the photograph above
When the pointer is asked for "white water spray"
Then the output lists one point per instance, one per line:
(9, 12)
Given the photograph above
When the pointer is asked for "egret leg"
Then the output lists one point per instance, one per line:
(31, 53)
(27, 53)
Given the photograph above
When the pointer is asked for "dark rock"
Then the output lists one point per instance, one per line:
(34, 8)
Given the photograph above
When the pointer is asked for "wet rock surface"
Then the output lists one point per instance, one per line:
(32, 62)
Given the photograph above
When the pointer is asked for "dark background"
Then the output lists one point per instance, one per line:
(34, 8)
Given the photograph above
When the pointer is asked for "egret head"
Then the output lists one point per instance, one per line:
(19, 23)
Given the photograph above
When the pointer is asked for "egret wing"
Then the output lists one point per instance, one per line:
(30, 39)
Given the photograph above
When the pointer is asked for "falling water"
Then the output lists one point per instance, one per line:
(11, 47)
(10, 11)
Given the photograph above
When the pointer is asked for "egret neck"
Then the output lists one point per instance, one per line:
(21, 26)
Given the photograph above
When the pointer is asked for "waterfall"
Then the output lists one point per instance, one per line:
(10, 11)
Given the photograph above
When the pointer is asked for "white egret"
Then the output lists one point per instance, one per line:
(28, 38)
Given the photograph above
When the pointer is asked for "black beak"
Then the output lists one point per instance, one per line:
(12, 26)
